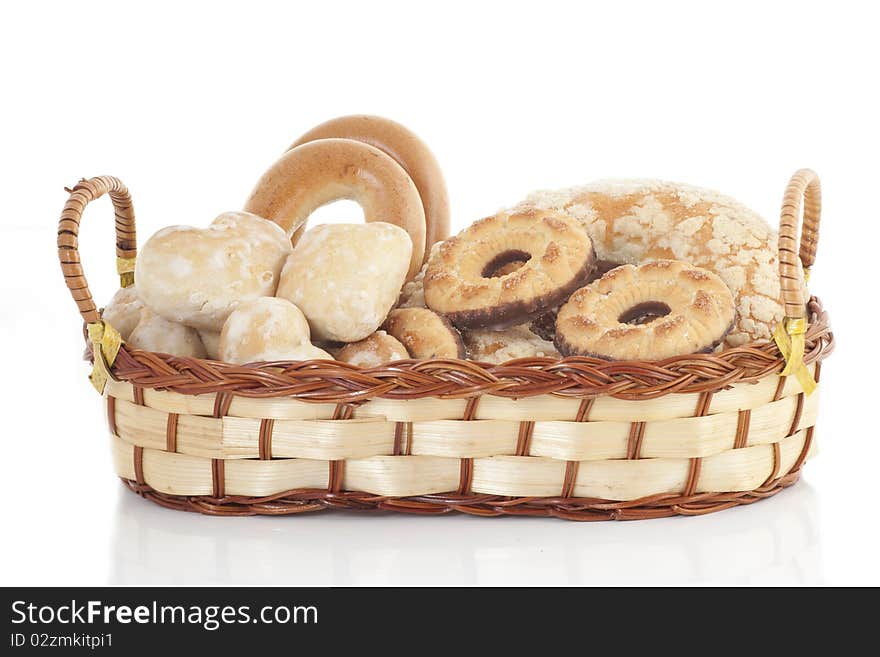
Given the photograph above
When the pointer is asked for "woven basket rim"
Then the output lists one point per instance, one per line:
(323, 381)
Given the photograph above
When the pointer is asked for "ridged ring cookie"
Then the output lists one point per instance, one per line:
(425, 334)
(408, 151)
(462, 281)
(635, 221)
(327, 170)
(656, 310)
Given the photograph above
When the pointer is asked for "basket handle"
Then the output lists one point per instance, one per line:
(803, 191)
(81, 195)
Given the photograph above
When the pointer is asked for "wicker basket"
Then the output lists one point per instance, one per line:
(576, 438)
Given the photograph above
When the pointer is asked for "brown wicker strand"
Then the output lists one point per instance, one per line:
(218, 478)
(111, 415)
(171, 433)
(569, 508)
(83, 193)
(571, 473)
(524, 439)
(775, 470)
(703, 404)
(578, 377)
(634, 443)
(808, 442)
(693, 477)
(798, 412)
(803, 193)
(743, 419)
(265, 439)
(138, 458)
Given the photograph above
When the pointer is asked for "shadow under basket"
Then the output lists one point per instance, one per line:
(575, 438)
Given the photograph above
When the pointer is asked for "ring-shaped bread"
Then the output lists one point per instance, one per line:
(410, 152)
(327, 170)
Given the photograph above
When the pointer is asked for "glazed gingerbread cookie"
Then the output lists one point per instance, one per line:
(634, 221)
(346, 277)
(376, 349)
(657, 310)
(267, 329)
(155, 333)
(124, 311)
(199, 276)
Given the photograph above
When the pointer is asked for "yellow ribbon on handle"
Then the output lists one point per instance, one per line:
(791, 339)
(125, 269)
(105, 346)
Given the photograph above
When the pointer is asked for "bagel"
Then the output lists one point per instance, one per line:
(327, 170)
(635, 221)
(408, 151)
(657, 310)
(461, 280)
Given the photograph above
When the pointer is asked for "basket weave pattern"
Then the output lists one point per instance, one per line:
(575, 438)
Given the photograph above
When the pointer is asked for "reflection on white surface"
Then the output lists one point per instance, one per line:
(772, 542)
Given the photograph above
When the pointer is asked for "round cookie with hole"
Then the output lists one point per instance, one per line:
(505, 269)
(657, 310)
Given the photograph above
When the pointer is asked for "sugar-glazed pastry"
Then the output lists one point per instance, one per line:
(501, 346)
(346, 277)
(408, 151)
(124, 311)
(211, 340)
(155, 333)
(264, 329)
(374, 350)
(412, 295)
(461, 280)
(308, 351)
(425, 334)
(198, 276)
(326, 170)
(634, 221)
(657, 310)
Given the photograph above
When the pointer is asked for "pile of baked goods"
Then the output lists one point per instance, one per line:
(619, 270)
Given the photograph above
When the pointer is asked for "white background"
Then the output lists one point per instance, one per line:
(188, 103)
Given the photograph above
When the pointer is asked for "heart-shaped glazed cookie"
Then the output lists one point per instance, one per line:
(198, 276)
